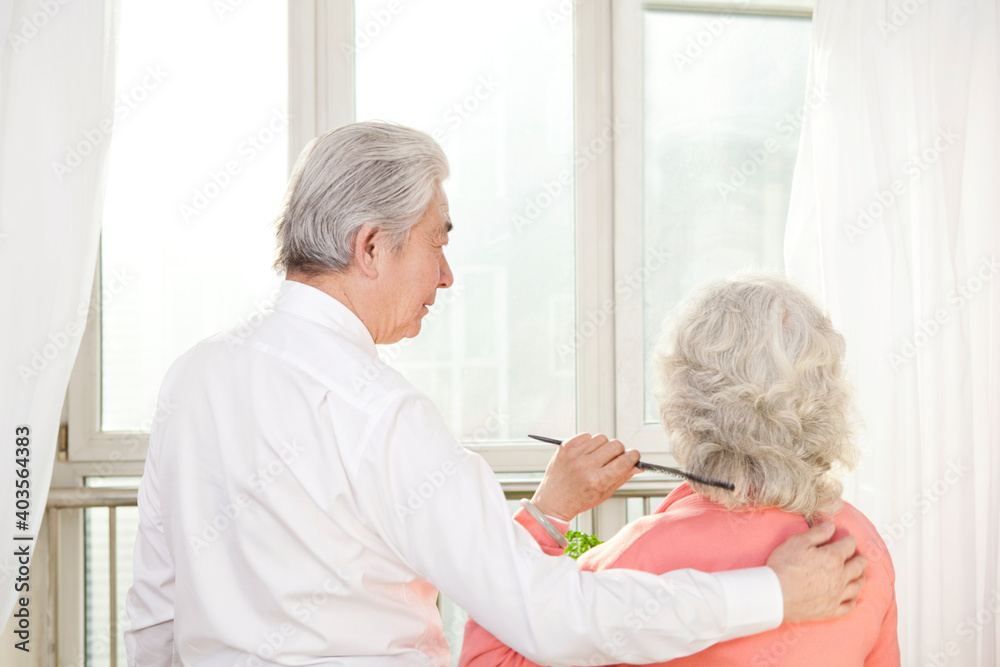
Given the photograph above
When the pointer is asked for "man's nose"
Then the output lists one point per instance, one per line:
(446, 276)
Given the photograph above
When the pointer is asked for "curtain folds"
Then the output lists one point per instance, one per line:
(895, 222)
(57, 88)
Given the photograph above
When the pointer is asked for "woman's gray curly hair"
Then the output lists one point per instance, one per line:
(751, 390)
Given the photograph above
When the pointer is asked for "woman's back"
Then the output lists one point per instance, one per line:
(690, 531)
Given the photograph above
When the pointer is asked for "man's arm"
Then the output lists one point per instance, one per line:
(440, 508)
(482, 648)
(818, 580)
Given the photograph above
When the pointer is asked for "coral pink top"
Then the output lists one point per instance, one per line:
(690, 531)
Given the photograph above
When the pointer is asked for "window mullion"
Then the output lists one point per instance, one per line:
(595, 136)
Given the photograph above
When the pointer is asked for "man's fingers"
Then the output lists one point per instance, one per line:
(595, 444)
(846, 607)
(853, 589)
(619, 470)
(819, 534)
(849, 599)
(843, 549)
(855, 567)
(585, 443)
(577, 440)
(607, 452)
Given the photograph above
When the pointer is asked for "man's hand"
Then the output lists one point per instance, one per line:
(583, 473)
(818, 582)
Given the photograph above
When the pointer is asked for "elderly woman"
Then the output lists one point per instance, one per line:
(752, 392)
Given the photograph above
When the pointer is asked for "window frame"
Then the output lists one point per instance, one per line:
(321, 97)
(608, 81)
(627, 75)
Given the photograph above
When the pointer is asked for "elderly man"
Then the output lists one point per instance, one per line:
(303, 503)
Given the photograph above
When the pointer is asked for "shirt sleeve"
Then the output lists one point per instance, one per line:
(479, 647)
(150, 600)
(440, 508)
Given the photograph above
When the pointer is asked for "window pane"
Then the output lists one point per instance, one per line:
(722, 109)
(493, 83)
(198, 168)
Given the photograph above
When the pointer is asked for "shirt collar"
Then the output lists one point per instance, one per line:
(319, 307)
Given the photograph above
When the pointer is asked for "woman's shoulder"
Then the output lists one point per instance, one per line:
(691, 531)
(851, 520)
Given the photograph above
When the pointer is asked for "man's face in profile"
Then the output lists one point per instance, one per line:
(412, 277)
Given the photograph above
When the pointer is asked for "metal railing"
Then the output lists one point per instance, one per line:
(92, 498)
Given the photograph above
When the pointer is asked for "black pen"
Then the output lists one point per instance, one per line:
(655, 468)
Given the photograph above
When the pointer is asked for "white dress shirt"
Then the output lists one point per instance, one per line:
(302, 504)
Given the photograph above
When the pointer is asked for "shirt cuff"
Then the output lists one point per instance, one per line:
(753, 601)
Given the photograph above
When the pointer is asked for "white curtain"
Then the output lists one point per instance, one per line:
(56, 110)
(895, 222)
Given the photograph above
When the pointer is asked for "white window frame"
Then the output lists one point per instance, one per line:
(608, 201)
(321, 97)
(627, 75)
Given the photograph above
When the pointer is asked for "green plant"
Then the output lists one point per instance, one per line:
(579, 543)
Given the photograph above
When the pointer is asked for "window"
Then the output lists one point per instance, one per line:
(719, 105)
(651, 152)
(488, 357)
(199, 162)
(720, 136)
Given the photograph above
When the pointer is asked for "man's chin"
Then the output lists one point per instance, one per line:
(414, 328)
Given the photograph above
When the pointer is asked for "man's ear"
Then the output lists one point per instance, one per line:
(367, 251)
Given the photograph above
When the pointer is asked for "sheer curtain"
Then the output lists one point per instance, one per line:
(895, 222)
(56, 113)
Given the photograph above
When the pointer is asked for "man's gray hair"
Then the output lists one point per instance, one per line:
(751, 390)
(377, 173)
